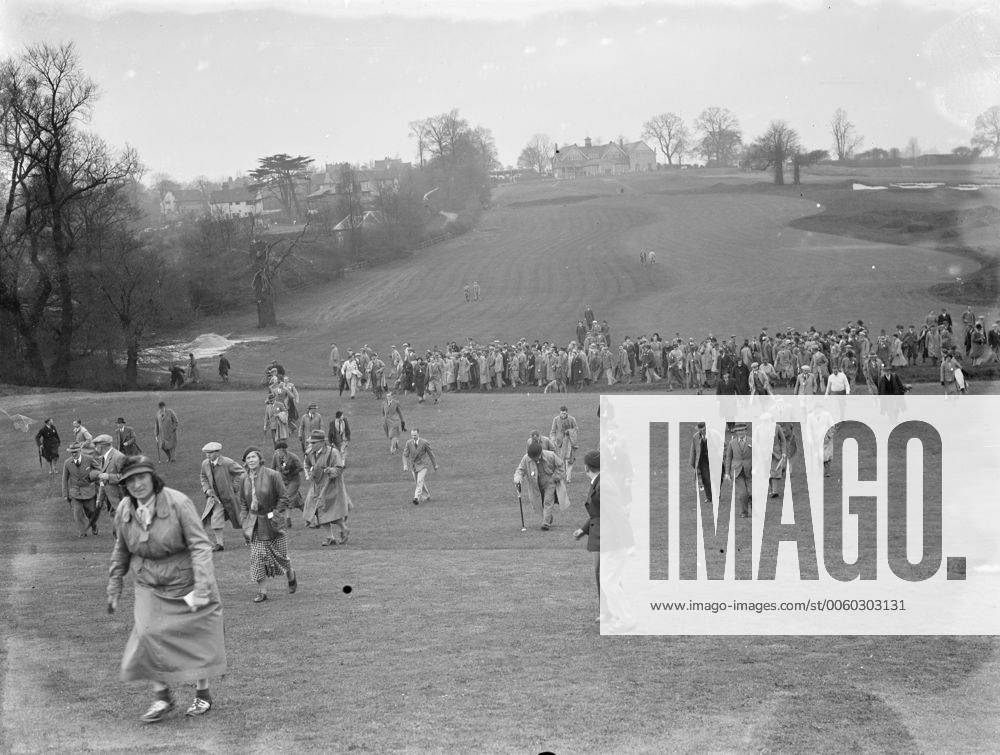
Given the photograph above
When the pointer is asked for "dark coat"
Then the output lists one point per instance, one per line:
(337, 439)
(126, 442)
(592, 527)
(891, 385)
(47, 439)
(267, 518)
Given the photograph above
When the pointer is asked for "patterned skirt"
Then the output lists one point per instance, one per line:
(268, 558)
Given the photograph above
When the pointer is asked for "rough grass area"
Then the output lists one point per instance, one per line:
(460, 634)
(941, 219)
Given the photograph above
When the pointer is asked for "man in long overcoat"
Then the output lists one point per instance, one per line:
(541, 477)
(327, 502)
(564, 435)
(165, 430)
(219, 476)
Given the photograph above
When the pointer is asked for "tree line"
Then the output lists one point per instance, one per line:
(90, 275)
(716, 137)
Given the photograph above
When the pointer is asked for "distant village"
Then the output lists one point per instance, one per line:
(322, 190)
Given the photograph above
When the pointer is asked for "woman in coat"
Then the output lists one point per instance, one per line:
(177, 636)
(327, 502)
(47, 440)
(392, 421)
(263, 504)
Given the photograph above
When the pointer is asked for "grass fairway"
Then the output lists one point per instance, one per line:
(460, 633)
(730, 259)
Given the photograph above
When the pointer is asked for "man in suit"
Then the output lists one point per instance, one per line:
(109, 466)
(699, 460)
(592, 527)
(889, 383)
(79, 489)
(737, 464)
(219, 475)
(125, 440)
(339, 433)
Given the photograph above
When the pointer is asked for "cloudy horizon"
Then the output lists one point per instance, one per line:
(207, 88)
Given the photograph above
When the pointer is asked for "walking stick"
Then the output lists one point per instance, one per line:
(520, 505)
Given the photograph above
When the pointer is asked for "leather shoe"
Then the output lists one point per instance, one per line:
(260, 597)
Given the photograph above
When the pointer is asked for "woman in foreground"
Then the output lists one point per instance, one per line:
(177, 636)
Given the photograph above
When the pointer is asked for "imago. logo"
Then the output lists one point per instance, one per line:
(778, 515)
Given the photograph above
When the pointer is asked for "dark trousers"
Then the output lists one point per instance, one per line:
(85, 513)
(706, 477)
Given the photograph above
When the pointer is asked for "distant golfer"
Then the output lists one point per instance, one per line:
(417, 458)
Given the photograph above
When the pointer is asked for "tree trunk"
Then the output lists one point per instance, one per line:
(132, 364)
(33, 357)
(795, 173)
(64, 336)
(779, 172)
(265, 311)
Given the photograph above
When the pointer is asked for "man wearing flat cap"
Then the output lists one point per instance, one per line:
(79, 489)
(107, 473)
(311, 420)
(219, 478)
(125, 440)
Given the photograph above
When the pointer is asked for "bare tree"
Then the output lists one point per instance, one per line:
(45, 99)
(418, 130)
(803, 159)
(669, 131)
(537, 154)
(987, 134)
(721, 136)
(845, 138)
(777, 145)
(266, 260)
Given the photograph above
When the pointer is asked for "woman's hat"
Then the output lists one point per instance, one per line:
(252, 450)
(136, 465)
(317, 435)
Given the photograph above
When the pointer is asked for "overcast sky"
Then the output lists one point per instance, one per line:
(206, 87)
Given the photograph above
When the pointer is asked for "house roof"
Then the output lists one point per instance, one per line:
(187, 195)
(229, 196)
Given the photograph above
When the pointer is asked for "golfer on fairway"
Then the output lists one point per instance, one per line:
(541, 478)
(416, 457)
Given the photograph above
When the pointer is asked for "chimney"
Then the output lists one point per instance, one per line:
(586, 142)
